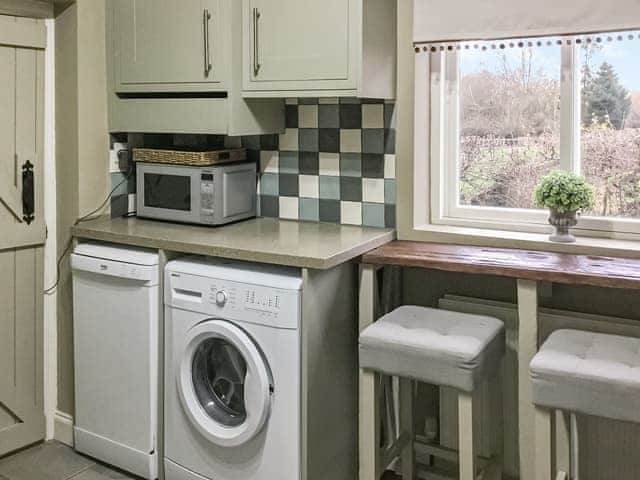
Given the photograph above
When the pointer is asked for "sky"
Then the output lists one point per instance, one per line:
(623, 55)
(624, 58)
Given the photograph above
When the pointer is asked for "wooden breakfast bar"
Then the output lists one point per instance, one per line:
(528, 268)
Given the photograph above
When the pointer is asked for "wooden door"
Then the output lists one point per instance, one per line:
(168, 45)
(22, 43)
(298, 41)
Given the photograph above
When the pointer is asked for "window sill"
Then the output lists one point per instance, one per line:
(528, 241)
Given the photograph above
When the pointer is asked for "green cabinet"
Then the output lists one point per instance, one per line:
(312, 48)
(175, 66)
(168, 45)
(300, 40)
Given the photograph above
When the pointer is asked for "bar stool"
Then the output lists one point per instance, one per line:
(439, 347)
(582, 372)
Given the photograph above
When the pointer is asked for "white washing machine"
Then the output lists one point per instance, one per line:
(232, 386)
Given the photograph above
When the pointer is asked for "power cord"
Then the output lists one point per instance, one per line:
(89, 216)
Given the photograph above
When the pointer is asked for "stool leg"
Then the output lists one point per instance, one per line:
(369, 398)
(390, 430)
(466, 444)
(369, 425)
(563, 443)
(575, 448)
(496, 428)
(543, 444)
(527, 348)
(406, 427)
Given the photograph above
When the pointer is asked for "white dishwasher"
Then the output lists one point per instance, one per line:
(116, 321)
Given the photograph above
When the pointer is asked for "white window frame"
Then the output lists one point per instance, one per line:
(440, 85)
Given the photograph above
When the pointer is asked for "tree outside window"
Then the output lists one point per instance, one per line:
(510, 131)
(610, 136)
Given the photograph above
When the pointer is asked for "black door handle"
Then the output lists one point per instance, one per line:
(28, 193)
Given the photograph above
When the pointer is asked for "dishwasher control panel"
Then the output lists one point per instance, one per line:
(131, 271)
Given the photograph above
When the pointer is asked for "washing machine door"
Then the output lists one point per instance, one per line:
(224, 383)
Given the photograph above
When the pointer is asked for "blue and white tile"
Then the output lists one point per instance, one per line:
(372, 115)
(309, 209)
(390, 166)
(289, 208)
(373, 190)
(390, 191)
(351, 141)
(269, 161)
(309, 186)
(329, 188)
(350, 164)
(351, 213)
(308, 116)
(289, 140)
(268, 184)
(289, 162)
(269, 206)
(330, 164)
(373, 215)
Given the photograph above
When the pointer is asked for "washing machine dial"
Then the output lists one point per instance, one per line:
(221, 298)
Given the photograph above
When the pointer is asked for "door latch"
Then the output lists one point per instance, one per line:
(28, 193)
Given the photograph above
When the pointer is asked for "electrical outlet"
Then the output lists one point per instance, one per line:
(114, 164)
(119, 158)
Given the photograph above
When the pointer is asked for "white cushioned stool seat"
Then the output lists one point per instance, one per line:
(590, 373)
(435, 346)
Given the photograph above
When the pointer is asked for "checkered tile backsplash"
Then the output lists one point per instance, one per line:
(335, 162)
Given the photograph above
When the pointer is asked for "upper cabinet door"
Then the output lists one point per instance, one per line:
(319, 48)
(168, 45)
(298, 41)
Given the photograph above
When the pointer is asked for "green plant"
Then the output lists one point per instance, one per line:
(565, 192)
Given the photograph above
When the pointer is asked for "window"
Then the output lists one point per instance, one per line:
(610, 136)
(504, 114)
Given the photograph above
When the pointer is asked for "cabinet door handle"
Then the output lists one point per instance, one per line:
(206, 17)
(256, 44)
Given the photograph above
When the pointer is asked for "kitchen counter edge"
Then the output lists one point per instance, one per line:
(133, 232)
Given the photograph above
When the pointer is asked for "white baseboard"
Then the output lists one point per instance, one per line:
(63, 428)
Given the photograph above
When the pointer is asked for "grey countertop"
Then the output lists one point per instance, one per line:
(266, 240)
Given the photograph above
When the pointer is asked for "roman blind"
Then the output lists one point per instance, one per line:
(457, 20)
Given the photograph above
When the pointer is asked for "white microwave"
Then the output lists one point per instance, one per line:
(213, 195)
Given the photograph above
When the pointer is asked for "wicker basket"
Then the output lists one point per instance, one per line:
(182, 157)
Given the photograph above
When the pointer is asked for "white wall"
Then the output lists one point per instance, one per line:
(82, 161)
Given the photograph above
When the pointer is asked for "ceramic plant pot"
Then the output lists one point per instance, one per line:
(562, 222)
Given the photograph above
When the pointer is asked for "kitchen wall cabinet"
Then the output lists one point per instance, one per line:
(307, 48)
(175, 66)
(170, 46)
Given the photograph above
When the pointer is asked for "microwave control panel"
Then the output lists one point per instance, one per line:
(207, 195)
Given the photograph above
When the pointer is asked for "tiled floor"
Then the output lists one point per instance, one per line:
(54, 461)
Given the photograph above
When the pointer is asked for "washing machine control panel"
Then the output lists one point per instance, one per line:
(236, 301)
(255, 303)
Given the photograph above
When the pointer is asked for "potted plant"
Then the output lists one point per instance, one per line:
(565, 194)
